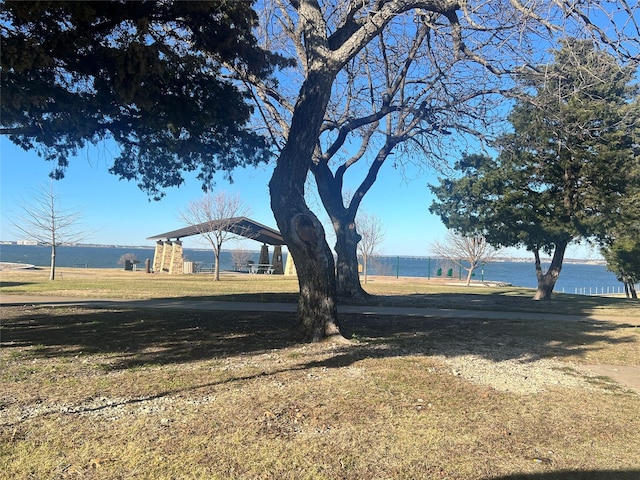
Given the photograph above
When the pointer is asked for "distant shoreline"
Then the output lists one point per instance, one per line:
(579, 261)
(91, 245)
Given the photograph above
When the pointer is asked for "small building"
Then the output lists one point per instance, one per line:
(168, 256)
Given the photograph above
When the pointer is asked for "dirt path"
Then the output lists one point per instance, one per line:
(627, 375)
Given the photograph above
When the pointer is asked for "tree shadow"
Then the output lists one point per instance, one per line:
(507, 299)
(497, 340)
(133, 336)
(499, 299)
(4, 284)
(261, 297)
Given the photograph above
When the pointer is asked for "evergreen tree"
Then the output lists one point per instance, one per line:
(150, 75)
(623, 259)
(563, 173)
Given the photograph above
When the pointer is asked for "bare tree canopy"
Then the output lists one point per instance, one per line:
(212, 215)
(46, 221)
(372, 233)
(468, 252)
(342, 96)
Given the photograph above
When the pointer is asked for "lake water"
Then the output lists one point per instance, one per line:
(579, 278)
(575, 278)
(101, 257)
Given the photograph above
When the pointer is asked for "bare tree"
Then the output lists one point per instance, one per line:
(372, 234)
(44, 220)
(433, 60)
(240, 258)
(128, 260)
(212, 216)
(466, 252)
(422, 105)
(400, 94)
(127, 257)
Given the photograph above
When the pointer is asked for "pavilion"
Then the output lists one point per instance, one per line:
(169, 258)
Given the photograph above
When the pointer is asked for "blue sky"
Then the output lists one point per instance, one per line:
(117, 212)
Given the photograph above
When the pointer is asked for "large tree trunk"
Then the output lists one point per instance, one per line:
(305, 239)
(347, 275)
(301, 230)
(547, 281)
(344, 226)
(343, 219)
(316, 277)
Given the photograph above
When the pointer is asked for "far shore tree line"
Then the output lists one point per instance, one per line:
(324, 86)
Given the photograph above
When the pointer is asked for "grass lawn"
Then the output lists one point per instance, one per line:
(125, 393)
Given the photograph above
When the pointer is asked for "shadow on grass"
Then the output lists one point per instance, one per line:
(135, 337)
(495, 299)
(14, 284)
(494, 339)
(509, 299)
(139, 336)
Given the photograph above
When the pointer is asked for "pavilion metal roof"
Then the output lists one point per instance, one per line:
(242, 226)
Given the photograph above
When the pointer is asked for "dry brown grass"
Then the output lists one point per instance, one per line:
(117, 283)
(388, 291)
(170, 394)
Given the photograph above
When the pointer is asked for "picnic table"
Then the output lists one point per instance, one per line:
(255, 268)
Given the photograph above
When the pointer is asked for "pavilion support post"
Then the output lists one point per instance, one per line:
(277, 260)
(264, 257)
(176, 266)
(158, 256)
(166, 256)
(290, 267)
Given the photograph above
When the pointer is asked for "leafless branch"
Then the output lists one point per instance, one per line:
(44, 220)
(213, 215)
(466, 252)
